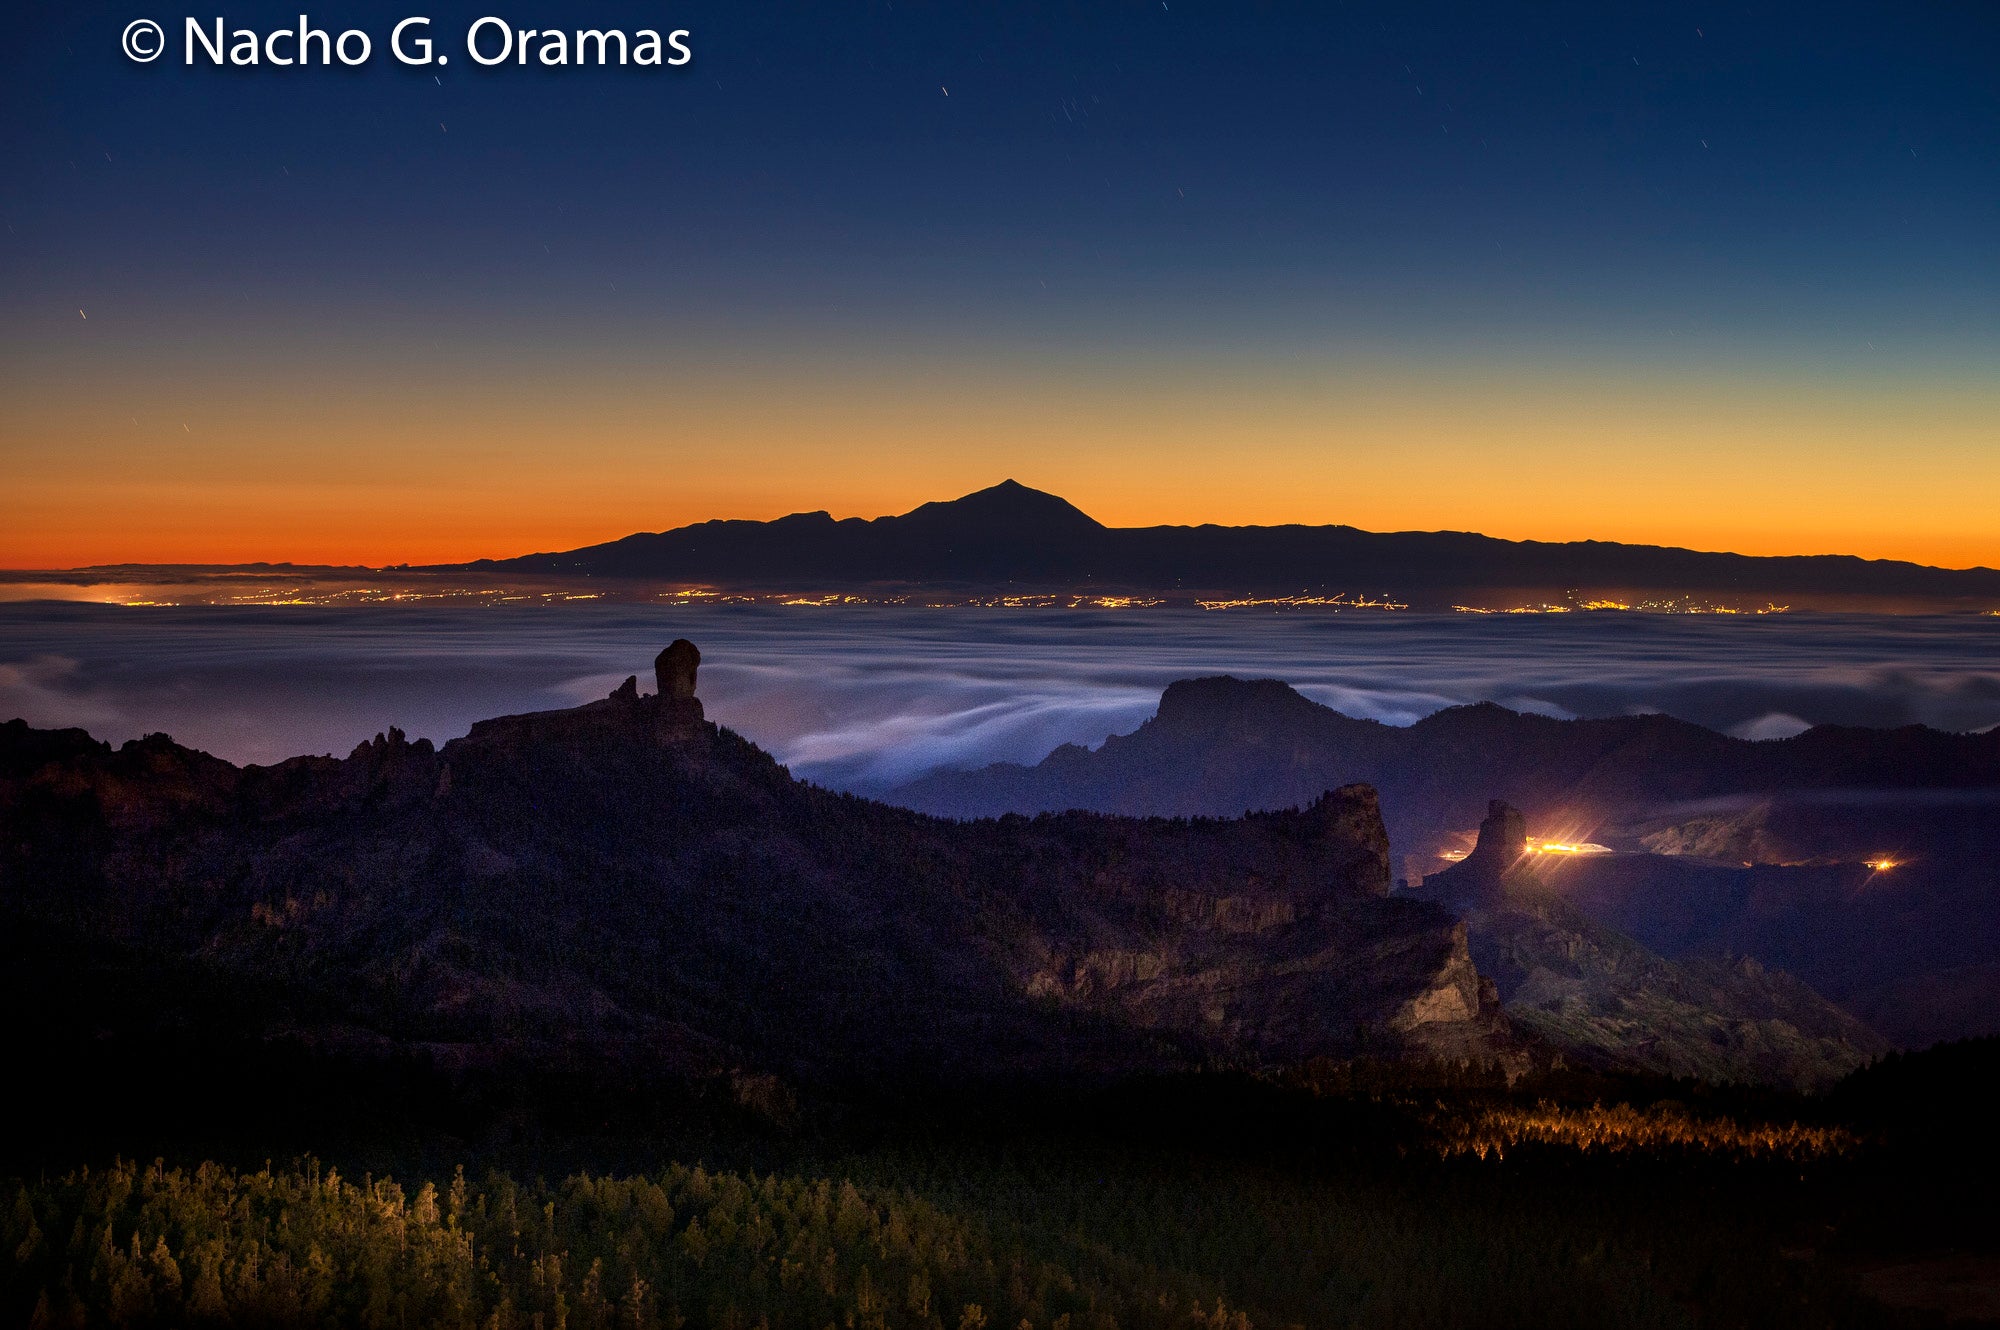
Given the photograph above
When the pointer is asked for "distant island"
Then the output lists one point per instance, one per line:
(1010, 538)
(1009, 545)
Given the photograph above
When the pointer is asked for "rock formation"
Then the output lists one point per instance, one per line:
(1502, 844)
(1759, 848)
(675, 668)
(1604, 998)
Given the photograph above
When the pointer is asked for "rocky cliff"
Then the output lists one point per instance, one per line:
(627, 881)
(1767, 849)
(1608, 1000)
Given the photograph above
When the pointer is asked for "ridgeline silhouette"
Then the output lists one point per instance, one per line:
(1013, 538)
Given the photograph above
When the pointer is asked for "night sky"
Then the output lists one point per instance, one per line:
(1715, 276)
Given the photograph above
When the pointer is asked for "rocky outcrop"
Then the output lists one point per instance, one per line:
(674, 670)
(1756, 848)
(1502, 844)
(1603, 998)
(1251, 955)
(628, 881)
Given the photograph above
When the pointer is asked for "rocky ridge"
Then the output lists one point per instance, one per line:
(627, 881)
(1765, 849)
(1606, 999)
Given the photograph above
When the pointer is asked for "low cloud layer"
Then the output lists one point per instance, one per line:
(864, 699)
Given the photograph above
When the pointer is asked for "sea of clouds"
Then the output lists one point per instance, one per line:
(867, 698)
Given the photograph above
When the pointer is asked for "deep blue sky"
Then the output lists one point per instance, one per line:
(1805, 193)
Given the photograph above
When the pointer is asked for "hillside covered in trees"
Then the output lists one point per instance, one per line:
(1205, 1203)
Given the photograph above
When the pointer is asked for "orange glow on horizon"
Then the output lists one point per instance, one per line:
(226, 525)
(177, 470)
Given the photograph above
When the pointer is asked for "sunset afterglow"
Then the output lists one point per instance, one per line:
(1172, 665)
(1580, 281)
(190, 467)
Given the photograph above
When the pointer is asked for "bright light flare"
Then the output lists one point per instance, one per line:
(1566, 847)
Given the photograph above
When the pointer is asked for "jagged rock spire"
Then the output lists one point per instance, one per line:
(1503, 836)
(1483, 875)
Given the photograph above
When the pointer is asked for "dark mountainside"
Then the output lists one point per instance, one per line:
(1012, 538)
(1757, 848)
(1605, 998)
(1217, 746)
(850, 1065)
(627, 883)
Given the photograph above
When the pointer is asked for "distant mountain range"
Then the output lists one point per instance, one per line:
(1773, 850)
(1010, 538)
(1216, 746)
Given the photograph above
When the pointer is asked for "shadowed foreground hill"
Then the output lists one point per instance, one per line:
(626, 881)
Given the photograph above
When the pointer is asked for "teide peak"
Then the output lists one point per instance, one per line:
(1013, 539)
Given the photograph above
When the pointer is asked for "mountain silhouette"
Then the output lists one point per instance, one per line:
(1007, 511)
(1010, 537)
(1218, 745)
(1762, 849)
(629, 884)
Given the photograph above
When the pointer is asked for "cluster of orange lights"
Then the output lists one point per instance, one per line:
(1671, 605)
(1880, 864)
(1533, 846)
(1623, 1129)
(1010, 601)
(1343, 601)
(1566, 847)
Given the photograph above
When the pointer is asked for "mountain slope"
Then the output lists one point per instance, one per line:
(1219, 745)
(626, 879)
(1605, 998)
(1757, 848)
